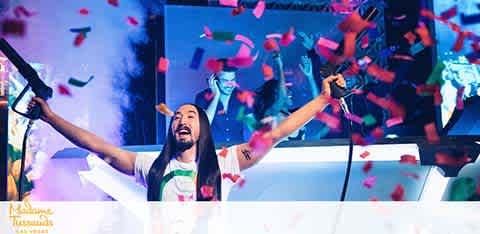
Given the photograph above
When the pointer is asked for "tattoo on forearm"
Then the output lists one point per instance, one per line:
(246, 154)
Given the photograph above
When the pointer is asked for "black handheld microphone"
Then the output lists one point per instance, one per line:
(38, 87)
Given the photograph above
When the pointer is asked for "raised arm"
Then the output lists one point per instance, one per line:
(212, 107)
(122, 160)
(247, 156)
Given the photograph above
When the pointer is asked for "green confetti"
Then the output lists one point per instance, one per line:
(436, 75)
(223, 36)
(79, 83)
(369, 120)
(462, 189)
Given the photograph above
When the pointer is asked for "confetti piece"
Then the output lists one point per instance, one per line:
(460, 98)
(424, 34)
(398, 194)
(197, 58)
(259, 144)
(223, 36)
(243, 52)
(377, 132)
(449, 13)
(369, 120)
(162, 108)
(358, 139)
(327, 43)
(327, 54)
(241, 183)
(240, 62)
(410, 37)
(374, 199)
(267, 72)
(365, 61)
(417, 48)
(64, 90)
(237, 11)
(446, 159)
(21, 10)
(394, 121)
(84, 11)
(355, 118)
(162, 65)
(369, 182)
(207, 191)
(367, 167)
(113, 3)
(14, 27)
(436, 75)
(395, 109)
(79, 39)
(232, 3)
(410, 174)
(224, 152)
(246, 97)
(380, 73)
(221, 112)
(426, 90)
(401, 17)
(259, 9)
(459, 42)
(364, 154)
(431, 133)
(364, 42)
(233, 178)
(469, 19)
(353, 70)
(437, 98)
(83, 30)
(408, 159)
(288, 37)
(270, 44)
(132, 21)
(183, 198)
(353, 23)
(331, 121)
(208, 96)
(79, 83)
(349, 44)
(214, 65)
(403, 57)
(244, 39)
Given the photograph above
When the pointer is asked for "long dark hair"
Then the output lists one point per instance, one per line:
(208, 170)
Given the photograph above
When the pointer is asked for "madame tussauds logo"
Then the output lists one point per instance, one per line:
(28, 219)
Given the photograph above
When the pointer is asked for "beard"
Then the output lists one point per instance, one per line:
(183, 145)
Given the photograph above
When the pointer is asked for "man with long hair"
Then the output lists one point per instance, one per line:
(188, 167)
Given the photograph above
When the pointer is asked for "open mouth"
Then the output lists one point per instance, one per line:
(183, 130)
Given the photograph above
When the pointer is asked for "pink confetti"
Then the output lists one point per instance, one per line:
(162, 65)
(353, 70)
(260, 144)
(267, 72)
(237, 11)
(21, 10)
(437, 98)
(424, 34)
(327, 54)
(410, 37)
(327, 43)
(113, 3)
(288, 37)
(364, 154)
(445, 159)
(207, 191)
(431, 133)
(243, 52)
(224, 152)
(330, 120)
(240, 62)
(364, 42)
(246, 97)
(207, 32)
(460, 98)
(408, 159)
(233, 178)
(358, 139)
(132, 21)
(355, 118)
(367, 167)
(380, 73)
(394, 121)
(349, 44)
(403, 57)
(244, 39)
(459, 42)
(451, 12)
(214, 65)
(369, 182)
(79, 39)
(270, 44)
(232, 3)
(64, 90)
(426, 89)
(398, 194)
(84, 11)
(259, 9)
(208, 96)
(377, 132)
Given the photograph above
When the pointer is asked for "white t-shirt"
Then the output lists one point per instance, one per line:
(182, 186)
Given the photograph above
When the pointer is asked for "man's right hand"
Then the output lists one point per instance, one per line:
(213, 85)
(47, 113)
(307, 40)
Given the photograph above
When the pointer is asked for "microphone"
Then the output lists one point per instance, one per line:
(340, 93)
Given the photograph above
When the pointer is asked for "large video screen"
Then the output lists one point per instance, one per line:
(458, 72)
(193, 53)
